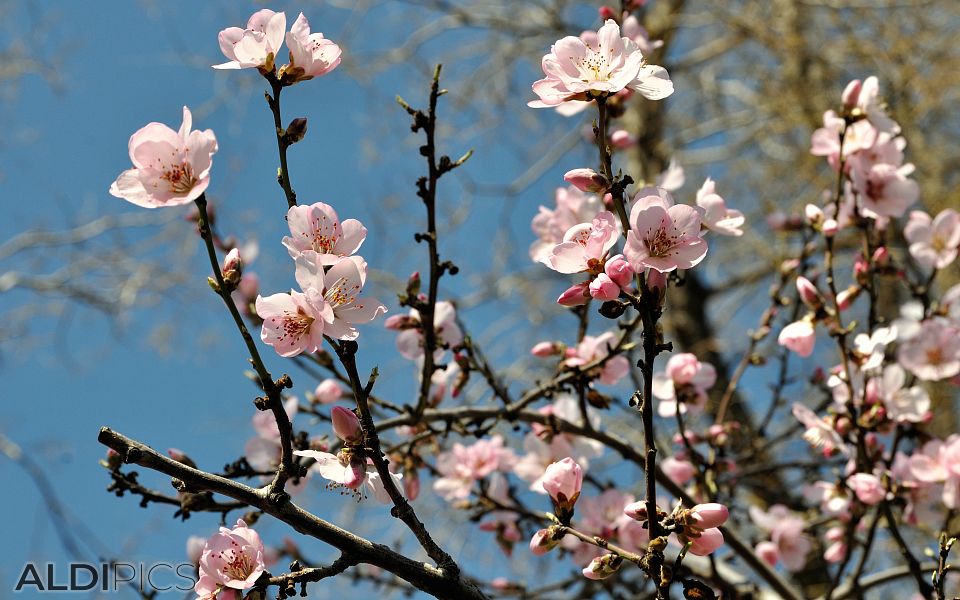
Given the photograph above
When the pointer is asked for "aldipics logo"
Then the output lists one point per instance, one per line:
(106, 577)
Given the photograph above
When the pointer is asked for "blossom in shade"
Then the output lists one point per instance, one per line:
(683, 385)
(933, 242)
(317, 228)
(664, 237)
(328, 391)
(232, 558)
(672, 178)
(170, 167)
(885, 190)
(410, 339)
(311, 54)
(716, 216)
(594, 348)
(707, 542)
(939, 462)
(799, 337)
(341, 287)
(294, 323)
(934, 352)
(256, 45)
(819, 433)
(581, 68)
(786, 531)
(463, 465)
(867, 487)
(903, 404)
(868, 100)
(550, 225)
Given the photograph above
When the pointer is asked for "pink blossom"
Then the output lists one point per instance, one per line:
(562, 480)
(632, 29)
(585, 245)
(341, 287)
(837, 549)
(311, 55)
(622, 140)
(232, 558)
(672, 178)
(572, 207)
(664, 238)
(716, 216)
(786, 531)
(819, 433)
(872, 348)
(317, 228)
(591, 349)
(410, 339)
(799, 337)
(683, 385)
(870, 104)
(868, 488)
(587, 180)
(825, 141)
(347, 470)
(808, 293)
(265, 424)
(934, 352)
(255, 46)
(603, 288)
(939, 462)
(328, 391)
(904, 405)
(463, 465)
(294, 323)
(170, 167)
(768, 552)
(619, 271)
(885, 190)
(576, 69)
(545, 349)
(933, 243)
(195, 545)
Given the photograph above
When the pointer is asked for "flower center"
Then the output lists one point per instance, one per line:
(340, 293)
(322, 243)
(661, 242)
(296, 325)
(180, 178)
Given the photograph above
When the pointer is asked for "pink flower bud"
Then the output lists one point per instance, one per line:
(656, 281)
(709, 515)
(181, 457)
(846, 297)
(851, 94)
(545, 349)
(346, 425)
(768, 553)
(328, 392)
(808, 293)
(543, 542)
(562, 480)
(636, 510)
(830, 227)
(881, 257)
(798, 336)
(718, 434)
(607, 13)
(575, 295)
(707, 543)
(411, 484)
(602, 566)
(813, 213)
(603, 288)
(400, 322)
(586, 180)
(621, 140)
(619, 270)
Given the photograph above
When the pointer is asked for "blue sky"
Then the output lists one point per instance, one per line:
(121, 65)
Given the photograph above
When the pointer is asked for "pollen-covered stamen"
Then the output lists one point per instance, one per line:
(294, 325)
(238, 565)
(341, 293)
(180, 177)
(318, 239)
(662, 241)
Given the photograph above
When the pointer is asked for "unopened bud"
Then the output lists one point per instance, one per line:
(602, 566)
(587, 180)
(545, 349)
(295, 131)
(607, 13)
(232, 269)
(808, 293)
